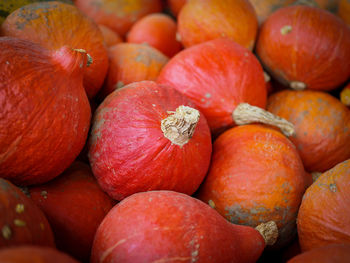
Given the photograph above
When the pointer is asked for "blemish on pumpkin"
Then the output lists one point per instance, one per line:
(8, 63)
(333, 187)
(19, 222)
(211, 204)
(44, 194)
(207, 95)
(119, 84)
(6, 232)
(286, 30)
(19, 208)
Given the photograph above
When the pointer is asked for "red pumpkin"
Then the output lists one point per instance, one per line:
(34, 254)
(256, 175)
(203, 20)
(172, 227)
(217, 76)
(323, 216)
(337, 253)
(45, 114)
(74, 205)
(21, 221)
(314, 56)
(55, 24)
(322, 125)
(157, 30)
(163, 143)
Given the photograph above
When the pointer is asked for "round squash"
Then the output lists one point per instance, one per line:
(323, 216)
(314, 56)
(45, 116)
(163, 143)
(55, 24)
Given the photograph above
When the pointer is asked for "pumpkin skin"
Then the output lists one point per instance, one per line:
(169, 226)
(264, 8)
(322, 125)
(323, 216)
(157, 30)
(34, 254)
(344, 10)
(217, 75)
(128, 152)
(45, 114)
(41, 22)
(74, 205)
(131, 63)
(316, 55)
(110, 37)
(203, 20)
(255, 176)
(119, 15)
(337, 253)
(21, 221)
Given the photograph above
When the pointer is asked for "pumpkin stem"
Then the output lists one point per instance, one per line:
(89, 58)
(246, 114)
(297, 85)
(269, 232)
(179, 126)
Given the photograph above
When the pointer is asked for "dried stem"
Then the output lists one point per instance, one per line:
(269, 231)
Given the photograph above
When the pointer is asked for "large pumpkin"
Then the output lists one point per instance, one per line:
(315, 56)
(45, 114)
(147, 136)
(55, 24)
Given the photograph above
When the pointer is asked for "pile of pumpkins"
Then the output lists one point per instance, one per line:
(175, 131)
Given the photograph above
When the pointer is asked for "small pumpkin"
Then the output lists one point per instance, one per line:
(163, 143)
(55, 24)
(314, 56)
(322, 125)
(173, 227)
(21, 221)
(74, 205)
(256, 175)
(157, 30)
(45, 116)
(323, 216)
(203, 20)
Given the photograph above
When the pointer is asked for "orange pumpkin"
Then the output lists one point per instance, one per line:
(118, 15)
(264, 8)
(203, 20)
(55, 24)
(344, 10)
(110, 37)
(256, 175)
(322, 125)
(323, 216)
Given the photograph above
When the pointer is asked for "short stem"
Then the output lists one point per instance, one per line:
(269, 232)
(89, 58)
(297, 85)
(179, 126)
(247, 114)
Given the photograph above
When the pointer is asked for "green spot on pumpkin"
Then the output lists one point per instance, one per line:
(286, 30)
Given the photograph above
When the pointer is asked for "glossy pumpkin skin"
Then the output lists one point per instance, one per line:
(34, 254)
(21, 221)
(172, 227)
(344, 10)
(217, 76)
(128, 151)
(203, 20)
(74, 205)
(55, 24)
(322, 125)
(130, 63)
(45, 114)
(118, 15)
(110, 37)
(264, 8)
(157, 30)
(323, 216)
(255, 176)
(316, 55)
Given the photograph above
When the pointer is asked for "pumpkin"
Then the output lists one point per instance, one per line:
(55, 24)
(21, 221)
(110, 37)
(45, 114)
(217, 75)
(264, 8)
(119, 15)
(322, 125)
(339, 253)
(157, 30)
(175, 6)
(169, 226)
(203, 20)
(34, 254)
(74, 205)
(163, 143)
(131, 62)
(323, 216)
(345, 95)
(314, 56)
(344, 10)
(256, 175)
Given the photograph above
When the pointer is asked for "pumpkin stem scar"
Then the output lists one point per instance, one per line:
(269, 232)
